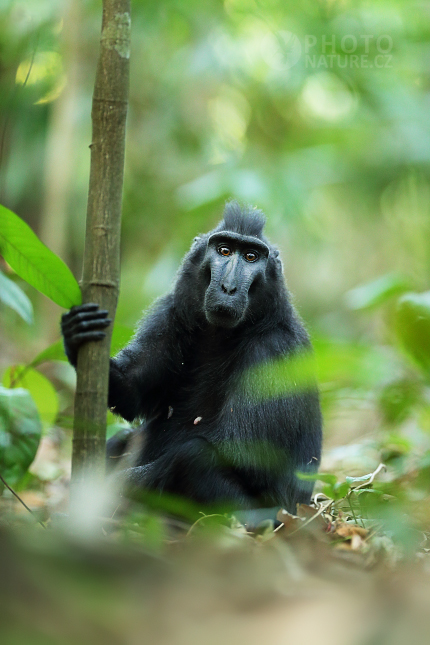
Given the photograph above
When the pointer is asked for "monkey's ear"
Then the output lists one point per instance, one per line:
(277, 259)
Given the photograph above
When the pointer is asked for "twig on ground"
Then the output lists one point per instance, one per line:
(323, 508)
(22, 502)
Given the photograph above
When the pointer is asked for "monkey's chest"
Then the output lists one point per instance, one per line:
(199, 398)
(203, 383)
(190, 409)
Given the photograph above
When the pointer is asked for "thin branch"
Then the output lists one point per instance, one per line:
(22, 502)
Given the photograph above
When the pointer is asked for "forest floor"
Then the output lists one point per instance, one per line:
(336, 572)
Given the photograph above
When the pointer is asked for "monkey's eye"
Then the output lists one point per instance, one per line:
(251, 256)
(224, 250)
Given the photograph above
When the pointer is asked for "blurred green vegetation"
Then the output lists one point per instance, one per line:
(316, 112)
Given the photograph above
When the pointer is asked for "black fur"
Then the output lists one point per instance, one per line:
(193, 374)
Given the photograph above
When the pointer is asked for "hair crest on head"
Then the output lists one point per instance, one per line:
(244, 220)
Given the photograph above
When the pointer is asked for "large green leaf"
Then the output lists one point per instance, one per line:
(279, 377)
(375, 293)
(20, 431)
(35, 263)
(13, 296)
(40, 388)
(413, 326)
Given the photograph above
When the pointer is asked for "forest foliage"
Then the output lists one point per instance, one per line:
(316, 112)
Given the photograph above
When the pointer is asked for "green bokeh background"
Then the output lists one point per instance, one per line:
(317, 112)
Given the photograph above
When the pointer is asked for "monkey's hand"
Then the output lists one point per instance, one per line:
(82, 324)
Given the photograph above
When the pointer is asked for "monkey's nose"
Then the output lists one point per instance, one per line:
(229, 290)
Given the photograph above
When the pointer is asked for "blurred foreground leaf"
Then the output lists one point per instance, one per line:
(332, 488)
(327, 478)
(281, 376)
(35, 263)
(334, 363)
(40, 388)
(413, 326)
(15, 298)
(20, 431)
(375, 293)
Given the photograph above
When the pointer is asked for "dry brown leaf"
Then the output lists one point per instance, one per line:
(345, 530)
(291, 522)
(309, 522)
(306, 511)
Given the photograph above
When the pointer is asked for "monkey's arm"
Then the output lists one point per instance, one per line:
(137, 373)
(140, 373)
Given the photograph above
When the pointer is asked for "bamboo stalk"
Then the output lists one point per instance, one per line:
(100, 280)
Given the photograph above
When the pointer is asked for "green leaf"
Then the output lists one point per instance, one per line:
(14, 297)
(54, 352)
(327, 478)
(20, 431)
(35, 263)
(328, 491)
(374, 491)
(413, 326)
(40, 388)
(280, 376)
(375, 293)
(340, 490)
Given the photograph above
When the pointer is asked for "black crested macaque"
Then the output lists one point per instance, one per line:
(208, 374)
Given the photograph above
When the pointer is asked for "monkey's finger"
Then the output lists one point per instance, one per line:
(89, 336)
(90, 315)
(86, 325)
(88, 306)
(67, 323)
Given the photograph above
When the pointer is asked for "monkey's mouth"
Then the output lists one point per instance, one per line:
(223, 316)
